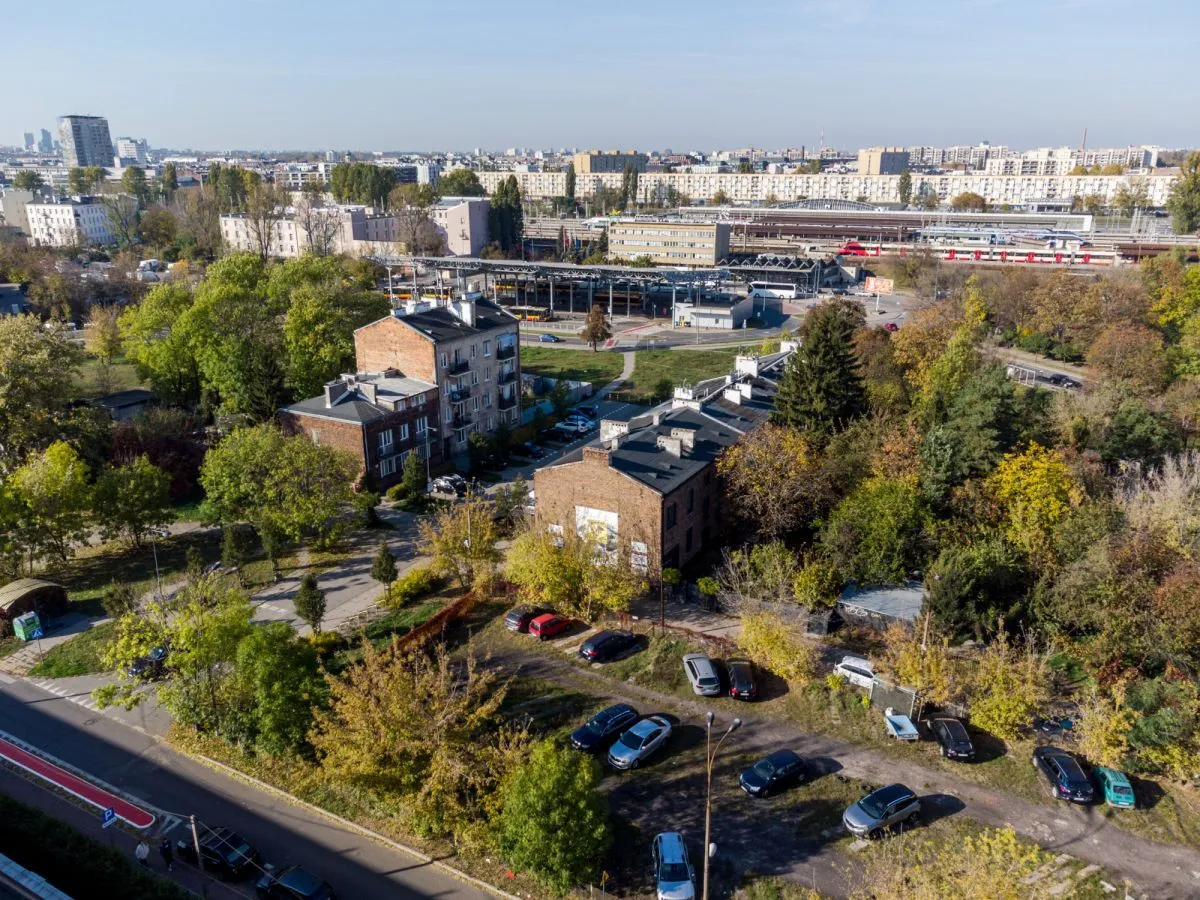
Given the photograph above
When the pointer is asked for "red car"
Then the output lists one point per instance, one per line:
(891, 326)
(548, 626)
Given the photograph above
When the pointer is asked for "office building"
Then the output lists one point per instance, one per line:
(78, 222)
(882, 161)
(595, 162)
(45, 142)
(29, 142)
(131, 152)
(669, 243)
(85, 141)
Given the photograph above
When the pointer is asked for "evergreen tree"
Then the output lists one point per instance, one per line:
(413, 479)
(383, 567)
(170, 180)
(569, 190)
(821, 390)
(1184, 202)
(505, 218)
(905, 186)
(310, 602)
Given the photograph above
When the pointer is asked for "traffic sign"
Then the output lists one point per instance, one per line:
(108, 817)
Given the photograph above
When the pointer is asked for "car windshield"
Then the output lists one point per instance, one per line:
(765, 768)
(1122, 790)
(1071, 770)
(633, 740)
(872, 805)
(673, 872)
(234, 853)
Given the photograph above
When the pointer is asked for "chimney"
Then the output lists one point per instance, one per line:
(598, 455)
(671, 445)
(610, 430)
(733, 395)
(746, 390)
(465, 310)
(334, 392)
(686, 438)
(746, 365)
(368, 390)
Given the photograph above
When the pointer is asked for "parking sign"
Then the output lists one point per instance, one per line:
(107, 817)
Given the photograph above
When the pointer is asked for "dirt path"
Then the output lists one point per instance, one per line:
(1159, 870)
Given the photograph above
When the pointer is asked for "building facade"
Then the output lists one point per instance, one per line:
(882, 161)
(76, 222)
(463, 223)
(132, 151)
(379, 417)
(469, 349)
(85, 141)
(596, 162)
(669, 242)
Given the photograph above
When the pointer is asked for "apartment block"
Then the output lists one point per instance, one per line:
(882, 161)
(669, 242)
(595, 162)
(85, 141)
(463, 223)
(76, 222)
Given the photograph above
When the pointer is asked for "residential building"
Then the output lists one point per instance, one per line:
(379, 417)
(463, 223)
(73, 222)
(85, 141)
(131, 152)
(1062, 160)
(428, 173)
(882, 161)
(669, 242)
(14, 206)
(594, 162)
(294, 176)
(647, 489)
(469, 349)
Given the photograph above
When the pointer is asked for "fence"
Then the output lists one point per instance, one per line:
(903, 700)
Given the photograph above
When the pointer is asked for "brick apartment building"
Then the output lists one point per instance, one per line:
(647, 488)
(468, 349)
(380, 417)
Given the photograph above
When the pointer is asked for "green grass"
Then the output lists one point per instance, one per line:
(89, 380)
(78, 656)
(653, 368)
(186, 510)
(575, 365)
(10, 644)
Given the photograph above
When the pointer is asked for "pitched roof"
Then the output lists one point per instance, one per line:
(355, 404)
(16, 590)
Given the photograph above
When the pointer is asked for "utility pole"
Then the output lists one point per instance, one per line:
(200, 857)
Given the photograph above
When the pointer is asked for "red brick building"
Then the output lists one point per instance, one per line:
(380, 417)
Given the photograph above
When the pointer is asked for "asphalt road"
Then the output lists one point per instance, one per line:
(285, 834)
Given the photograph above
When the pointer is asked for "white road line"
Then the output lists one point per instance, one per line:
(7, 679)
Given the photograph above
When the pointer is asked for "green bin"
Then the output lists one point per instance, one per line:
(27, 627)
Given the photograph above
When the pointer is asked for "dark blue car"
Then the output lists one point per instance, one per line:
(604, 726)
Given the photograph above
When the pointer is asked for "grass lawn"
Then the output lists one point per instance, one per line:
(575, 365)
(78, 656)
(10, 644)
(89, 381)
(186, 510)
(653, 370)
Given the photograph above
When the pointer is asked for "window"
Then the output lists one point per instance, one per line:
(475, 404)
(385, 442)
(449, 414)
(487, 401)
(687, 541)
(445, 360)
(473, 349)
(403, 431)
(670, 523)
(487, 373)
(422, 425)
(387, 467)
(474, 378)
(487, 348)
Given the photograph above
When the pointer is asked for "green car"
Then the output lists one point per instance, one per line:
(1117, 789)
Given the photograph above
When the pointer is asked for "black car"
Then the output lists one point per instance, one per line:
(606, 724)
(952, 735)
(741, 679)
(519, 617)
(1064, 774)
(529, 450)
(495, 462)
(150, 667)
(225, 854)
(782, 769)
(293, 883)
(605, 645)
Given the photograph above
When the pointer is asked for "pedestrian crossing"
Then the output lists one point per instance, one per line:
(79, 698)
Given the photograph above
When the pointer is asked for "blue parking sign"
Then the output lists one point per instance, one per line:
(107, 817)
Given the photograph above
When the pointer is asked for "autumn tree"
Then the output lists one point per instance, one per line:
(1103, 726)
(774, 481)
(920, 662)
(969, 201)
(821, 390)
(768, 641)
(103, 340)
(461, 540)
(757, 574)
(383, 568)
(595, 327)
(1131, 353)
(131, 499)
(1035, 489)
(1006, 688)
(158, 229)
(266, 204)
(573, 574)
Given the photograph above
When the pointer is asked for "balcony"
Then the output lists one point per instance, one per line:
(506, 352)
(507, 402)
(458, 367)
(461, 420)
(460, 393)
(506, 376)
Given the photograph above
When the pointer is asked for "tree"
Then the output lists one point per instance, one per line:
(1132, 353)
(77, 181)
(383, 568)
(157, 228)
(875, 535)
(921, 664)
(1130, 196)
(170, 181)
(412, 478)
(577, 574)
(118, 600)
(510, 503)
(310, 602)
(821, 390)
(103, 340)
(1183, 203)
(460, 183)
(929, 196)
(317, 338)
(415, 229)
(285, 486)
(1035, 490)
(774, 481)
(758, 574)
(1006, 688)
(569, 188)
(319, 225)
(363, 183)
(969, 200)
(277, 684)
(52, 497)
(720, 198)
(129, 500)
(554, 819)
(37, 371)
(1137, 435)
(266, 204)
(595, 329)
(766, 639)
(28, 180)
(1093, 203)
(505, 216)
(157, 343)
(810, 167)
(121, 210)
(904, 186)
(134, 183)
(973, 587)
(1103, 726)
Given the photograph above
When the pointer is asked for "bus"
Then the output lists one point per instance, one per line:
(531, 313)
(771, 290)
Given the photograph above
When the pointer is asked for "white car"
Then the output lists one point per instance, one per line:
(639, 742)
(673, 875)
(702, 675)
(856, 670)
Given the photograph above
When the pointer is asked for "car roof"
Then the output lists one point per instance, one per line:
(300, 880)
(645, 726)
(856, 661)
(615, 710)
(700, 661)
(738, 661)
(547, 617)
(953, 725)
(1113, 775)
(670, 846)
(783, 757)
(891, 793)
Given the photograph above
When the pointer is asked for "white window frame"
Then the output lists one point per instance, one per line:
(403, 431)
(386, 441)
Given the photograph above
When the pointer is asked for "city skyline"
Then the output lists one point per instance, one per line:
(466, 74)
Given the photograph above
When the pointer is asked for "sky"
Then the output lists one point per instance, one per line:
(698, 75)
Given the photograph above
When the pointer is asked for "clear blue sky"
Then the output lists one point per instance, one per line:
(457, 74)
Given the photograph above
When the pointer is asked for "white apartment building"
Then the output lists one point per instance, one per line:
(75, 222)
(295, 176)
(85, 141)
(132, 151)
(1061, 160)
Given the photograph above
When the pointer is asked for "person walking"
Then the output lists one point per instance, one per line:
(142, 854)
(168, 854)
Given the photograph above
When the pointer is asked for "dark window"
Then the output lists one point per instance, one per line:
(704, 508)
(687, 542)
(691, 499)
(671, 516)
(708, 476)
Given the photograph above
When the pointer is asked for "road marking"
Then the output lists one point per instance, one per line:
(7, 679)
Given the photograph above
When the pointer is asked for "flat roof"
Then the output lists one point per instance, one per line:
(899, 601)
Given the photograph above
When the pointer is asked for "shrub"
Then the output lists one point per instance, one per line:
(766, 640)
(118, 599)
(416, 582)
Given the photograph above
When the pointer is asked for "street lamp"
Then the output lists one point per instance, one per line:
(157, 533)
(710, 755)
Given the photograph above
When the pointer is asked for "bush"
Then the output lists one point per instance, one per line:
(416, 582)
(767, 641)
(325, 642)
(118, 599)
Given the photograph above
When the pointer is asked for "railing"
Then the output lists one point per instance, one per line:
(507, 377)
(460, 367)
(506, 352)
(461, 420)
(507, 402)
(460, 393)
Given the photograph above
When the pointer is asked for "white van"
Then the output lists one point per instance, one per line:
(856, 670)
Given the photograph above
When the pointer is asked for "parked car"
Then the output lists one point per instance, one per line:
(592, 412)
(450, 484)
(603, 725)
(150, 667)
(529, 450)
(569, 430)
(1063, 381)
(1064, 774)
(583, 423)
(519, 617)
(702, 674)
(550, 434)
(673, 875)
(605, 645)
(891, 326)
(548, 626)
(639, 742)
(1116, 788)
(856, 670)
(225, 854)
(952, 736)
(549, 339)
(293, 883)
(882, 809)
(779, 771)
(741, 679)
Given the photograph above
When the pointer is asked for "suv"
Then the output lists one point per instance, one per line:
(778, 771)
(605, 645)
(602, 725)
(952, 736)
(881, 809)
(1064, 774)
(702, 674)
(673, 875)
(741, 679)
(224, 852)
(856, 670)
(293, 883)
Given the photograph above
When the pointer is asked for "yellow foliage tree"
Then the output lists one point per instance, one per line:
(927, 670)
(1035, 489)
(1103, 727)
(572, 575)
(775, 479)
(1007, 687)
(765, 638)
(462, 540)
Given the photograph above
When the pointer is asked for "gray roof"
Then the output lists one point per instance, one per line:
(354, 406)
(122, 399)
(897, 601)
(441, 324)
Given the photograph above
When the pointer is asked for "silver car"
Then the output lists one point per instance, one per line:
(881, 809)
(639, 742)
(702, 675)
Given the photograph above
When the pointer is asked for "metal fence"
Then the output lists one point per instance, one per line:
(903, 700)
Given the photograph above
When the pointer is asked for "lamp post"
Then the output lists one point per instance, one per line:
(710, 755)
(157, 533)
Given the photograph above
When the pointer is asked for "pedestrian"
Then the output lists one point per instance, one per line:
(168, 854)
(142, 854)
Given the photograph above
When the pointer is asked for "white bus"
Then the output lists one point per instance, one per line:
(772, 290)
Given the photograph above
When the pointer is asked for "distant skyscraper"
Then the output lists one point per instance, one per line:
(46, 142)
(85, 141)
(29, 140)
